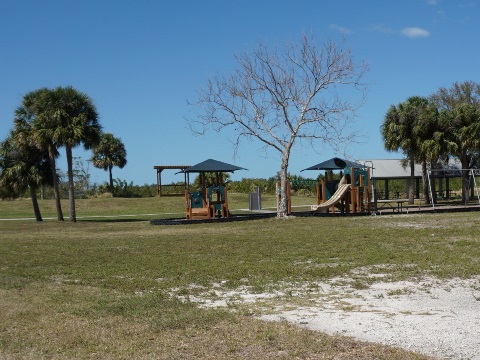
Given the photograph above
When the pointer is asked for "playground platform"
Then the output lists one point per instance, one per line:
(231, 218)
(269, 213)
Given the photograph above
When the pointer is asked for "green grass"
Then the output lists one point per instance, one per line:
(124, 208)
(98, 207)
(107, 287)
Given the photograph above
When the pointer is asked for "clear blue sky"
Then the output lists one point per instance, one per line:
(141, 60)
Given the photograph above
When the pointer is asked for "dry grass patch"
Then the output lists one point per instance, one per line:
(56, 321)
(102, 289)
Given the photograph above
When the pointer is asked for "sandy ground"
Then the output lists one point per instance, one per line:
(433, 317)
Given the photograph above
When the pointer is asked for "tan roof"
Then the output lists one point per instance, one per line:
(391, 169)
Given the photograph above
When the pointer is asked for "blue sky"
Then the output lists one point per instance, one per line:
(141, 60)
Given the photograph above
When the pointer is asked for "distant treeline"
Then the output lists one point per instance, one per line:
(126, 189)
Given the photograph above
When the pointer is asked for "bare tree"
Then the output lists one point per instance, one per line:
(279, 96)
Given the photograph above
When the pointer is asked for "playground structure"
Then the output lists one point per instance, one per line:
(359, 187)
(210, 201)
(343, 195)
(207, 204)
(352, 193)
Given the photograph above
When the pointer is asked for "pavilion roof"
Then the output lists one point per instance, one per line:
(211, 165)
(335, 164)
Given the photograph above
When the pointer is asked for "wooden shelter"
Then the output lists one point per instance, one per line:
(159, 179)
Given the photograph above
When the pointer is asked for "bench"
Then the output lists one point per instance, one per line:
(391, 203)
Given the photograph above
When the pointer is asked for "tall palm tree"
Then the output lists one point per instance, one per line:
(108, 153)
(28, 117)
(70, 119)
(434, 145)
(23, 166)
(398, 133)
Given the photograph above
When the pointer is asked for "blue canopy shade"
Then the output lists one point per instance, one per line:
(211, 165)
(335, 164)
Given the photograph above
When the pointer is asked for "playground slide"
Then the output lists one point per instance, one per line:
(336, 197)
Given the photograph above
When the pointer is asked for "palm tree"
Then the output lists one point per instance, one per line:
(23, 166)
(434, 145)
(28, 117)
(463, 128)
(108, 153)
(398, 133)
(459, 108)
(69, 119)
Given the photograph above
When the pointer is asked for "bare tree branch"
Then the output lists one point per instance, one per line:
(279, 96)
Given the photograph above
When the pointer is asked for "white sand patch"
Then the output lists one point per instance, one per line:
(440, 319)
(433, 317)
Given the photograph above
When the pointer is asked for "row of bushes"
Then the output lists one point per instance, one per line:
(246, 185)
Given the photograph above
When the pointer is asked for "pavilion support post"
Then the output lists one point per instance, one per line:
(417, 188)
(352, 198)
(323, 198)
(159, 182)
(319, 194)
(447, 188)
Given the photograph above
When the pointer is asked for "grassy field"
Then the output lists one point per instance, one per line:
(138, 208)
(111, 285)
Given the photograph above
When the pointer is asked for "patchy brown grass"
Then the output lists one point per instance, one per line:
(49, 321)
(103, 288)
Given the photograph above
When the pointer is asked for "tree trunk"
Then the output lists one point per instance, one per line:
(282, 205)
(36, 208)
(71, 187)
(110, 178)
(433, 185)
(465, 178)
(425, 184)
(282, 210)
(56, 191)
(411, 186)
